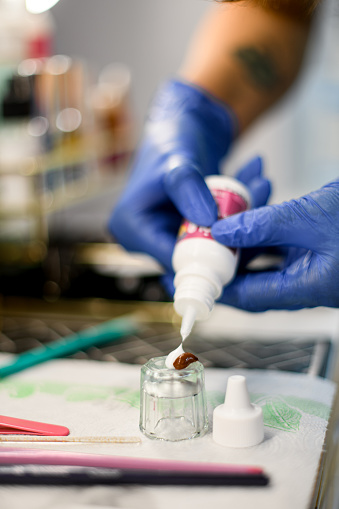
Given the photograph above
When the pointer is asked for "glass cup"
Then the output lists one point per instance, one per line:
(172, 402)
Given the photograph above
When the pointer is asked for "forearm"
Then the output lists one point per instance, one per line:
(246, 56)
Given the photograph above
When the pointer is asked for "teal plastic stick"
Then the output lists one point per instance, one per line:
(105, 332)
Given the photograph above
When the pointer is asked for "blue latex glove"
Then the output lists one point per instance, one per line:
(259, 189)
(308, 231)
(186, 136)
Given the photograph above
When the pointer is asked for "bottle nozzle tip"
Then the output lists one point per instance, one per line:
(187, 323)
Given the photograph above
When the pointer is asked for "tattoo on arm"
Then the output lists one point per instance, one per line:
(259, 67)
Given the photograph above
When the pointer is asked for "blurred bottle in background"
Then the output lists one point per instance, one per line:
(24, 34)
(65, 134)
(111, 105)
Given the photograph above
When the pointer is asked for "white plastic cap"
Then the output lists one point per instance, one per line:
(238, 422)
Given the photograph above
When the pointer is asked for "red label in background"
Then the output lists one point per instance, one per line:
(228, 203)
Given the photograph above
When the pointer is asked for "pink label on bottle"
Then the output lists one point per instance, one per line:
(228, 203)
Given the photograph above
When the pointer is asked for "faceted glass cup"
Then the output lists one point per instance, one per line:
(172, 402)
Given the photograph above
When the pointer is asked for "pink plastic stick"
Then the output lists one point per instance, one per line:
(39, 457)
(14, 426)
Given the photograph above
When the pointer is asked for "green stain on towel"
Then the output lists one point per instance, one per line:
(70, 392)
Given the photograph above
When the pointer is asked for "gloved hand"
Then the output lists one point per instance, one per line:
(186, 136)
(308, 231)
(259, 189)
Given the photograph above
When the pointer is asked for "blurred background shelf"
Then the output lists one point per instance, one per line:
(67, 132)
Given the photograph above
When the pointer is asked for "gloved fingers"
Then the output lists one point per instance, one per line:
(261, 291)
(188, 191)
(251, 170)
(272, 225)
(158, 244)
(260, 190)
(147, 231)
(291, 254)
(258, 186)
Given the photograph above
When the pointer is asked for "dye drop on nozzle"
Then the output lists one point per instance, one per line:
(202, 265)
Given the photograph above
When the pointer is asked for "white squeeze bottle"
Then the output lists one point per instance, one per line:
(202, 265)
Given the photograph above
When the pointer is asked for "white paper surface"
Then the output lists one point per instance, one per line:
(102, 399)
